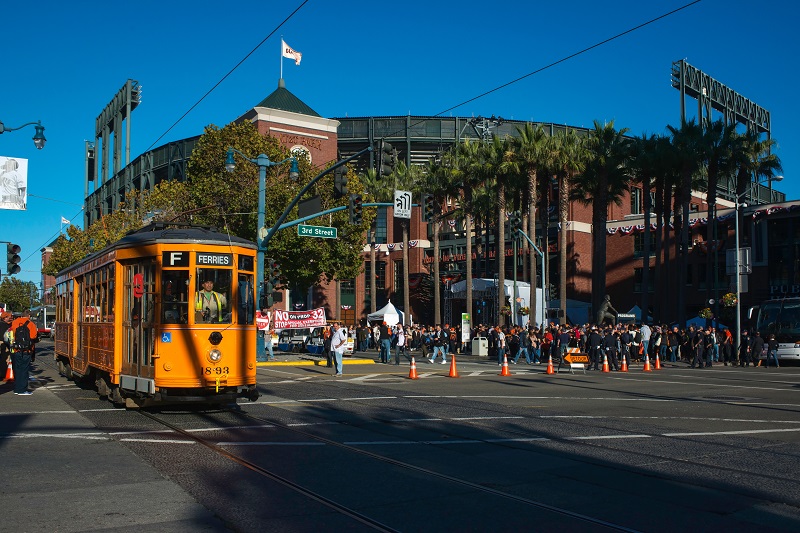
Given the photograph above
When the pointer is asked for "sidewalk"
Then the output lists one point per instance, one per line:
(61, 474)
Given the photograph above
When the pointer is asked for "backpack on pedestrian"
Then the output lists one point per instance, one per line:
(22, 338)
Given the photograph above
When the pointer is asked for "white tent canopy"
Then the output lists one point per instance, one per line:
(480, 285)
(389, 314)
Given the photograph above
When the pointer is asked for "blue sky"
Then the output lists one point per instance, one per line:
(64, 61)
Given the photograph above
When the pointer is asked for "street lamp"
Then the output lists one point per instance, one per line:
(263, 162)
(736, 261)
(38, 138)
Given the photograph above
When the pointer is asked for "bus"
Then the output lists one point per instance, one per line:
(781, 317)
(44, 316)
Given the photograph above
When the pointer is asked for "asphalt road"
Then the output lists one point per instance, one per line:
(678, 449)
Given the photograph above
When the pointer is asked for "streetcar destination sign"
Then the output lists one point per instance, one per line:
(324, 232)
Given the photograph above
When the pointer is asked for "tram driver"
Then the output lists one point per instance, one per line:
(209, 304)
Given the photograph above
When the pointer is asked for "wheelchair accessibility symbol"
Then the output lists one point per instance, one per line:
(166, 337)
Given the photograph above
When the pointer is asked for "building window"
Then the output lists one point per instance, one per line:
(636, 201)
(638, 244)
(380, 226)
(380, 279)
(399, 280)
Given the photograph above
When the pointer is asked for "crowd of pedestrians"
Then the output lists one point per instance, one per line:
(697, 346)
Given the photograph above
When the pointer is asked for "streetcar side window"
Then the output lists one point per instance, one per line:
(174, 295)
(212, 301)
(246, 314)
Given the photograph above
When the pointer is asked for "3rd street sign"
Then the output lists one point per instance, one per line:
(323, 232)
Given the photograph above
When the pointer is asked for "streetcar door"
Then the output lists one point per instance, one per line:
(138, 326)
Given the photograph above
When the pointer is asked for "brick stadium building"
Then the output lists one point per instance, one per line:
(299, 128)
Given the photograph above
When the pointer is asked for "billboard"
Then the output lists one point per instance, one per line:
(13, 183)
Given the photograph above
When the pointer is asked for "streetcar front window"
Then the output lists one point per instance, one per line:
(213, 296)
(175, 295)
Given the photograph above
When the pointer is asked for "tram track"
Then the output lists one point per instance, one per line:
(345, 510)
(653, 457)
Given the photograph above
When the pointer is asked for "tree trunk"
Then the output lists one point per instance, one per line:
(501, 249)
(563, 207)
(406, 292)
(437, 279)
(683, 257)
(373, 282)
(533, 257)
(646, 250)
(468, 228)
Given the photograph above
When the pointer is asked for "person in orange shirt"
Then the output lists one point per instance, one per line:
(21, 358)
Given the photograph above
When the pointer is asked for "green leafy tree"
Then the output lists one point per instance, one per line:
(230, 202)
(167, 201)
(18, 294)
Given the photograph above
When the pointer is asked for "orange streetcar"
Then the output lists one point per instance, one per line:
(166, 314)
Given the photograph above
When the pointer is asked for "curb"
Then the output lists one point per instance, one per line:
(314, 363)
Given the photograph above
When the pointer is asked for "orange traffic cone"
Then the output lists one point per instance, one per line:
(550, 369)
(658, 362)
(624, 366)
(647, 364)
(453, 371)
(605, 363)
(413, 372)
(10, 373)
(505, 371)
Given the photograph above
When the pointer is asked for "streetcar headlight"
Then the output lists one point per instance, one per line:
(214, 355)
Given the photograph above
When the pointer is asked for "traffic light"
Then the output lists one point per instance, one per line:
(428, 208)
(355, 209)
(266, 297)
(388, 160)
(514, 221)
(273, 273)
(340, 181)
(12, 266)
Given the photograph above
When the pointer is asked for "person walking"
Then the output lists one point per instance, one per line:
(400, 346)
(338, 344)
(756, 349)
(609, 347)
(772, 350)
(386, 343)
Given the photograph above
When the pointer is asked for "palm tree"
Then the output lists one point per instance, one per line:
(496, 157)
(570, 156)
(605, 180)
(664, 178)
(405, 179)
(687, 141)
(378, 190)
(644, 166)
(435, 181)
(467, 174)
(753, 160)
(717, 146)
(530, 156)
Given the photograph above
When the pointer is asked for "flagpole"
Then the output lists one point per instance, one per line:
(280, 56)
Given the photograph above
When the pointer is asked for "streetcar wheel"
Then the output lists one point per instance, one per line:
(102, 386)
(67, 370)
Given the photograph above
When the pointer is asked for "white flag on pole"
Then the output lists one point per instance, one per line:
(288, 51)
(64, 220)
